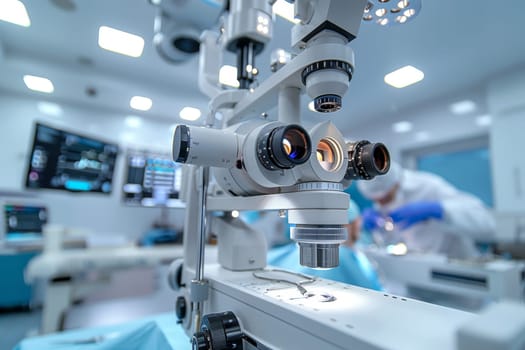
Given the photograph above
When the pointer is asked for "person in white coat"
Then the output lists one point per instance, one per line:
(426, 213)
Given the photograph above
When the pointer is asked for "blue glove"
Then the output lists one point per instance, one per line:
(371, 219)
(416, 212)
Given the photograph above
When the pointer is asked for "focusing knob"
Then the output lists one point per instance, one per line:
(327, 64)
(218, 331)
(367, 160)
(199, 341)
(360, 161)
(180, 308)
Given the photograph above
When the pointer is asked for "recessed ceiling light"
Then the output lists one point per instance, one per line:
(422, 135)
(39, 84)
(404, 77)
(121, 42)
(50, 108)
(190, 113)
(133, 121)
(14, 11)
(463, 107)
(484, 120)
(285, 10)
(140, 103)
(228, 76)
(402, 126)
(127, 137)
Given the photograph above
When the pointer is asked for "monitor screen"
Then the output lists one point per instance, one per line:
(152, 179)
(24, 222)
(63, 160)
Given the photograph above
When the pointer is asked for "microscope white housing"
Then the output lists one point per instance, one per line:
(259, 164)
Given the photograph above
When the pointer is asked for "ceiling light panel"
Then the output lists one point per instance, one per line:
(39, 84)
(422, 136)
(228, 76)
(463, 107)
(190, 113)
(133, 121)
(402, 126)
(140, 103)
(484, 120)
(50, 108)
(403, 77)
(285, 10)
(14, 11)
(121, 42)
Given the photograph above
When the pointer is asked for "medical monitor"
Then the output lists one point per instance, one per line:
(23, 222)
(62, 160)
(152, 179)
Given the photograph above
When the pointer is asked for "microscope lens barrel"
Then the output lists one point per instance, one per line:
(319, 245)
(284, 147)
(319, 256)
(367, 160)
(204, 146)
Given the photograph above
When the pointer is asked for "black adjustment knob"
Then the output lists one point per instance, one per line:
(199, 341)
(219, 331)
(180, 308)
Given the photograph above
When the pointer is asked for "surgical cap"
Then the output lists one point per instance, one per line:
(353, 211)
(380, 185)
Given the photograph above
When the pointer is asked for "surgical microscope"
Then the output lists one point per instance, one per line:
(251, 160)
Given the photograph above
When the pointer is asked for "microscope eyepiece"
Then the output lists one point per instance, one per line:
(284, 147)
(181, 143)
(366, 160)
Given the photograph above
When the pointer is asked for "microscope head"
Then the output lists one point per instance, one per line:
(323, 22)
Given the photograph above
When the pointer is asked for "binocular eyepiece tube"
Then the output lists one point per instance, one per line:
(284, 147)
(277, 147)
(366, 160)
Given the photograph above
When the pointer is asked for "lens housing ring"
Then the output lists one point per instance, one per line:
(181, 143)
(284, 147)
(366, 160)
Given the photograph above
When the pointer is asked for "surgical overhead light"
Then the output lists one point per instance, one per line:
(391, 12)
